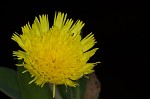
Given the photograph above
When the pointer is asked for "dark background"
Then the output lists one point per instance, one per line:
(122, 33)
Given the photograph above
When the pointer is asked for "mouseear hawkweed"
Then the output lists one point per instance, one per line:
(57, 54)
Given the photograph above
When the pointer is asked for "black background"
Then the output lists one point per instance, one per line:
(122, 33)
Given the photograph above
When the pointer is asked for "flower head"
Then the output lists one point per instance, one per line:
(56, 55)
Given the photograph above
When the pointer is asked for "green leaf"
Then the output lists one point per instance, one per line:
(66, 93)
(32, 91)
(8, 83)
(74, 92)
(15, 85)
(79, 91)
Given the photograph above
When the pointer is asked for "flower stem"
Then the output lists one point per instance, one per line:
(54, 90)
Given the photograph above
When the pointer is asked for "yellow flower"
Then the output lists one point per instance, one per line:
(56, 55)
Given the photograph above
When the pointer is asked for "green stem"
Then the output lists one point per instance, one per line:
(54, 90)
